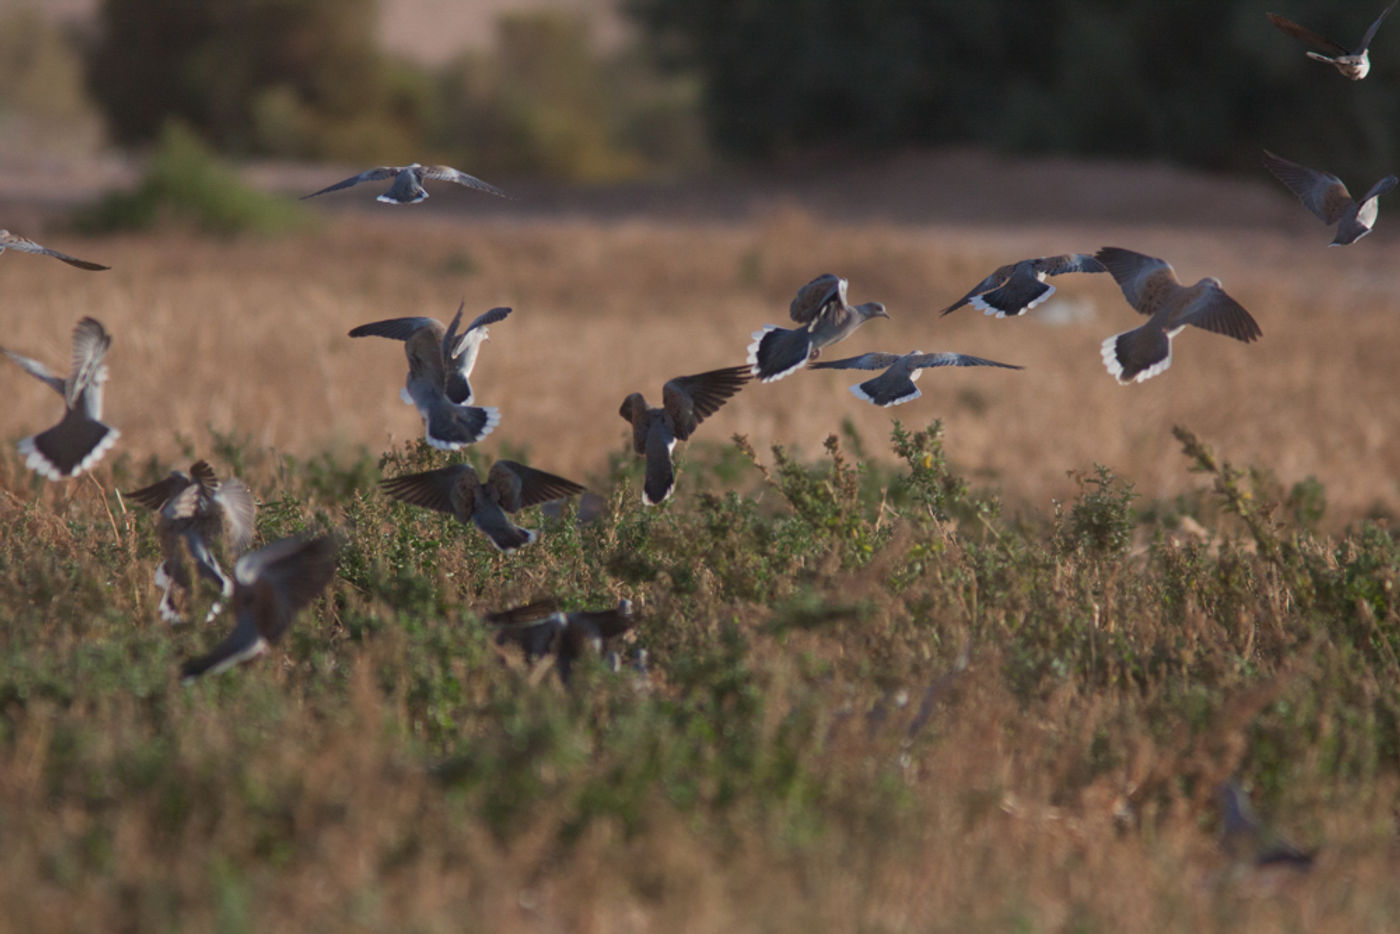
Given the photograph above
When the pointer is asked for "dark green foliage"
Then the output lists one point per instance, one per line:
(813, 644)
(185, 183)
(1197, 81)
(216, 66)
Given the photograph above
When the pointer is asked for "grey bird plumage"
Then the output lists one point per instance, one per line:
(407, 187)
(1016, 288)
(447, 425)
(459, 491)
(1324, 194)
(826, 317)
(896, 386)
(1151, 287)
(9, 241)
(1242, 837)
(686, 401)
(195, 511)
(541, 629)
(459, 350)
(270, 586)
(1350, 63)
(77, 442)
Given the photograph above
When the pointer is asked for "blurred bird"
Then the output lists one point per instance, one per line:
(686, 401)
(446, 425)
(197, 509)
(1351, 64)
(78, 441)
(1242, 838)
(540, 629)
(9, 241)
(1324, 194)
(1150, 285)
(896, 385)
(1016, 288)
(270, 586)
(821, 308)
(407, 187)
(458, 491)
(458, 350)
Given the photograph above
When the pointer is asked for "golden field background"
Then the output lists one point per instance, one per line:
(248, 336)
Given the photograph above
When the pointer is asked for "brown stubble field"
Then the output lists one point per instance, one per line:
(249, 338)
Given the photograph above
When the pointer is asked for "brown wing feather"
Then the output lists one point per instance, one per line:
(1307, 35)
(517, 486)
(689, 400)
(431, 489)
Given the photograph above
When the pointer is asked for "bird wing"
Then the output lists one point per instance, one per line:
(445, 173)
(926, 361)
(1371, 31)
(90, 344)
(158, 494)
(488, 317)
(613, 621)
(1145, 280)
(399, 329)
(369, 175)
(239, 511)
(1321, 192)
(9, 241)
(866, 361)
(1306, 35)
(37, 370)
(515, 486)
(689, 400)
(1069, 262)
(277, 580)
(531, 612)
(816, 295)
(1214, 310)
(431, 489)
(1379, 188)
(986, 285)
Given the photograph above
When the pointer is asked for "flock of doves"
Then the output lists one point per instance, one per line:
(269, 585)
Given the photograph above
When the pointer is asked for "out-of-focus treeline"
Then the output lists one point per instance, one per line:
(1200, 82)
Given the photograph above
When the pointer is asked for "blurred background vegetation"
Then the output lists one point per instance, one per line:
(1199, 82)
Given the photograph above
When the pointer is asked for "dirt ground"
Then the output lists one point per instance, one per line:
(619, 289)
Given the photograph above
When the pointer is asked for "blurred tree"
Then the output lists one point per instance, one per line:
(1206, 82)
(239, 71)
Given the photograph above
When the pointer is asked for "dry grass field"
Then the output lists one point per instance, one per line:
(249, 338)
(810, 753)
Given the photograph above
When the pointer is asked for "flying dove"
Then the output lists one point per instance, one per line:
(821, 308)
(446, 425)
(1324, 194)
(686, 401)
(1351, 64)
(896, 386)
(270, 586)
(407, 187)
(458, 491)
(1016, 288)
(9, 241)
(458, 350)
(540, 629)
(78, 441)
(197, 509)
(1150, 285)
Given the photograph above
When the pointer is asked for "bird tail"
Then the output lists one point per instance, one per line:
(455, 426)
(776, 352)
(1136, 355)
(68, 448)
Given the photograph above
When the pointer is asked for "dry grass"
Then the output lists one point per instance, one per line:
(250, 338)
(383, 770)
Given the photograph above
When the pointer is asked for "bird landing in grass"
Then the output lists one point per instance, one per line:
(77, 442)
